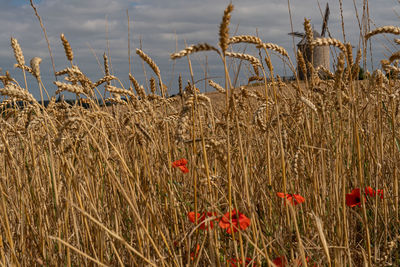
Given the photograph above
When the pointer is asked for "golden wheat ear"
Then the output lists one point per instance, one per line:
(67, 48)
(224, 29)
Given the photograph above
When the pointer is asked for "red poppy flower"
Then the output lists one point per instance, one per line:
(201, 219)
(239, 220)
(354, 198)
(239, 263)
(369, 191)
(181, 164)
(280, 261)
(193, 255)
(292, 198)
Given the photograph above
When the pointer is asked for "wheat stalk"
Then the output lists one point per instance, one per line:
(193, 49)
(215, 85)
(36, 68)
(309, 31)
(253, 60)
(275, 48)
(329, 41)
(19, 56)
(116, 101)
(385, 29)
(134, 82)
(105, 79)
(149, 61)
(14, 91)
(120, 91)
(394, 56)
(224, 29)
(245, 39)
(73, 88)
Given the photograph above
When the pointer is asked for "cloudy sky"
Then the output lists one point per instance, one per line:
(161, 25)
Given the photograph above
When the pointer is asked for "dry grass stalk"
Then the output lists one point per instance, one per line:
(193, 49)
(329, 41)
(67, 48)
(385, 29)
(224, 29)
(318, 223)
(275, 48)
(218, 87)
(251, 59)
(149, 61)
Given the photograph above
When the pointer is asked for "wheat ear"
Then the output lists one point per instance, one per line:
(17, 92)
(36, 68)
(19, 56)
(309, 31)
(329, 41)
(67, 48)
(149, 61)
(253, 60)
(224, 29)
(216, 86)
(119, 91)
(384, 29)
(193, 49)
(77, 89)
(275, 48)
(245, 39)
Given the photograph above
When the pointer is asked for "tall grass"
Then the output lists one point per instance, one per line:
(97, 185)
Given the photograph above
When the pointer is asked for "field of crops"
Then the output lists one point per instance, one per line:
(300, 173)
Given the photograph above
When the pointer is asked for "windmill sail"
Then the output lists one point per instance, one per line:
(325, 22)
(297, 34)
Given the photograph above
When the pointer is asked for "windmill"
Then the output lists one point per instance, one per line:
(320, 55)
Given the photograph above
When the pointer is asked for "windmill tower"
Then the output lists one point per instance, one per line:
(320, 55)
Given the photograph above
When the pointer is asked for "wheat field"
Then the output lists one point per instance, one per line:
(300, 173)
